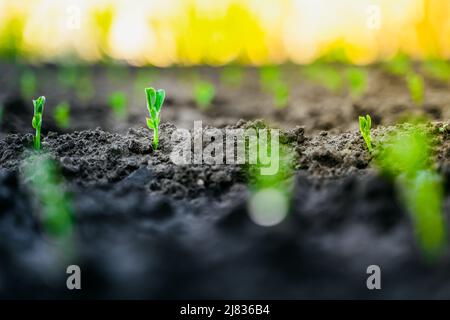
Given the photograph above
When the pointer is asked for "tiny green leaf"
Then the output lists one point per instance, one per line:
(37, 120)
(365, 124)
(151, 97)
(155, 100)
(160, 95)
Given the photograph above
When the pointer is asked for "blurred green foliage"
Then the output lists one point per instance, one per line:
(28, 84)
(204, 93)
(118, 103)
(438, 69)
(272, 83)
(281, 94)
(46, 183)
(61, 114)
(271, 192)
(68, 76)
(416, 87)
(84, 87)
(280, 180)
(406, 155)
(144, 78)
(117, 73)
(400, 65)
(423, 194)
(11, 45)
(269, 75)
(325, 75)
(357, 81)
(232, 75)
(406, 150)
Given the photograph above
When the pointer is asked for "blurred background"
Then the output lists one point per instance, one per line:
(317, 63)
(191, 32)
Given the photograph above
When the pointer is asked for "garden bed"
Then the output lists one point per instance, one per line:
(144, 227)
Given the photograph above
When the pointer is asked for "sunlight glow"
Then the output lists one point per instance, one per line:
(186, 32)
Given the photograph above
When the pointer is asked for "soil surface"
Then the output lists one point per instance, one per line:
(147, 228)
(310, 104)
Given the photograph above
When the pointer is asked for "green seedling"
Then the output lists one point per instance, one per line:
(61, 114)
(204, 93)
(46, 183)
(438, 69)
(37, 120)
(232, 75)
(406, 155)
(155, 100)
(416, 87)
(325, 75)
(365, 124)
(28, 84)
(357, 81)
(118, 103)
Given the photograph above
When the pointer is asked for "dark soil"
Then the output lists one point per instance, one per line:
(146, 228)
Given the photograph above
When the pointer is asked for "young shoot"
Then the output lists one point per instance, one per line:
(61, 114)
(37, 120)
(365, 124)
(204, 93)
(155, 99)
(118, 103)
(416, 87)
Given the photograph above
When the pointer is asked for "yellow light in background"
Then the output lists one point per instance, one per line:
(165, 32)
